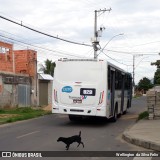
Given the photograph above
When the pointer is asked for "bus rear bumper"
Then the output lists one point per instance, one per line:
(87, 111)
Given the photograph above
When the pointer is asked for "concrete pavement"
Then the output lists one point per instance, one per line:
(145, 133)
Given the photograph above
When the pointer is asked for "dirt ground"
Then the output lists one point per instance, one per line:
(8, 115)
(47, 108)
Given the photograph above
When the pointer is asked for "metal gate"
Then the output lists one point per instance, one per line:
(24, 96)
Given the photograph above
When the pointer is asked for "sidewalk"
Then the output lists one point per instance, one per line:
(145, 133)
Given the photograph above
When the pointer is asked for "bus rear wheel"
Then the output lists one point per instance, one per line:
(114, 118)
(126, 108)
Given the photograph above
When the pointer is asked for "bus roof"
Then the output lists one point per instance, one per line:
(67, 60)
(94, 60)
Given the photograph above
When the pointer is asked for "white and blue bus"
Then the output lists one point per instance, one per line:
(89, 87)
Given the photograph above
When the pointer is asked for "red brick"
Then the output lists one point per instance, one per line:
(25, 60)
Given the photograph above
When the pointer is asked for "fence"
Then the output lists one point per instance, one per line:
(153, 103)
(14, 90)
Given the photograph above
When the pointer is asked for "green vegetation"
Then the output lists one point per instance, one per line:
(157, 73)
(18, 114)
(49, 67)
(137, 96)
(157, 77)
(143, 115)
(144, 84)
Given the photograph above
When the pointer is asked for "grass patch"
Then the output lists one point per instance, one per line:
(143, 115)
(137, 96)
(19, 114)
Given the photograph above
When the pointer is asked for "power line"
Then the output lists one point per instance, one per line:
(56, 37)
(39, 47)
(132, 52)
(114, 59)
(146, 43)
(24, 42)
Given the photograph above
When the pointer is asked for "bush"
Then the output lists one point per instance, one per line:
(143, 115)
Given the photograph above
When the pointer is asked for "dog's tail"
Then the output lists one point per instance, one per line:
(79, 133)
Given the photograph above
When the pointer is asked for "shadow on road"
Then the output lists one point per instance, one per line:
(88, 122)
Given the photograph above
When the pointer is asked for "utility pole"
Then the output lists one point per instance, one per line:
(95, 42)
(96, 34)
(133, 76)
(133, 85)
(134, 56)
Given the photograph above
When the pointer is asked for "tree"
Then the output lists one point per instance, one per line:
(157, 73)
(157, 77)
(157, 63)
(145, 84)
(49, 67)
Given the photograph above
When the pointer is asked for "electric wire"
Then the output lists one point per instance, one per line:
(114, 59)
(40, 47)
(55, 37)
(132, 53)
(4, 33)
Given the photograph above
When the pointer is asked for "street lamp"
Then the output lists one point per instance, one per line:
(134, 56)
(133, 81)
(121, 34)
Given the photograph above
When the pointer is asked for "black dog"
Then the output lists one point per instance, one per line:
(70, 140)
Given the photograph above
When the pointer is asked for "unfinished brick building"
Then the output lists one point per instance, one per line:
(18, 76)
(25, 62)
(6, 57)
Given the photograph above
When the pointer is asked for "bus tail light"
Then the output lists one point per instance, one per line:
(101, 97)
(55, 96)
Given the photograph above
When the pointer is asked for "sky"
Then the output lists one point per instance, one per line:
(131, 30)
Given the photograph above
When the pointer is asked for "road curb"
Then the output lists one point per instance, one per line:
(140, 142)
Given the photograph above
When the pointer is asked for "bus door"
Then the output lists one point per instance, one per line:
(112, 82)
(122, 92)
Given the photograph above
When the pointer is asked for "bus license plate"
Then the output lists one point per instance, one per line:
(87, 91)
(77, 101)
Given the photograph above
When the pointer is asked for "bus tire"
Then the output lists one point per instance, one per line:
(126, 108)
(114, 118)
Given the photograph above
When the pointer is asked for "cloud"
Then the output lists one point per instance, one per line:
(74, 20)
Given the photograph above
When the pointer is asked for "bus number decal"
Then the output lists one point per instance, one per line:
(87, 91)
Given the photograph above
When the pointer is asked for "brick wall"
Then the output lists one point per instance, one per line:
(153, 102)
(18, 61)
(6, 57)
(25, 62)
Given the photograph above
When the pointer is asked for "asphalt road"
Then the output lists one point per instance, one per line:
(41, 134)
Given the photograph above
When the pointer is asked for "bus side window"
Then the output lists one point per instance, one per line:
(125, 82)
(118, 80)
(130, 82)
